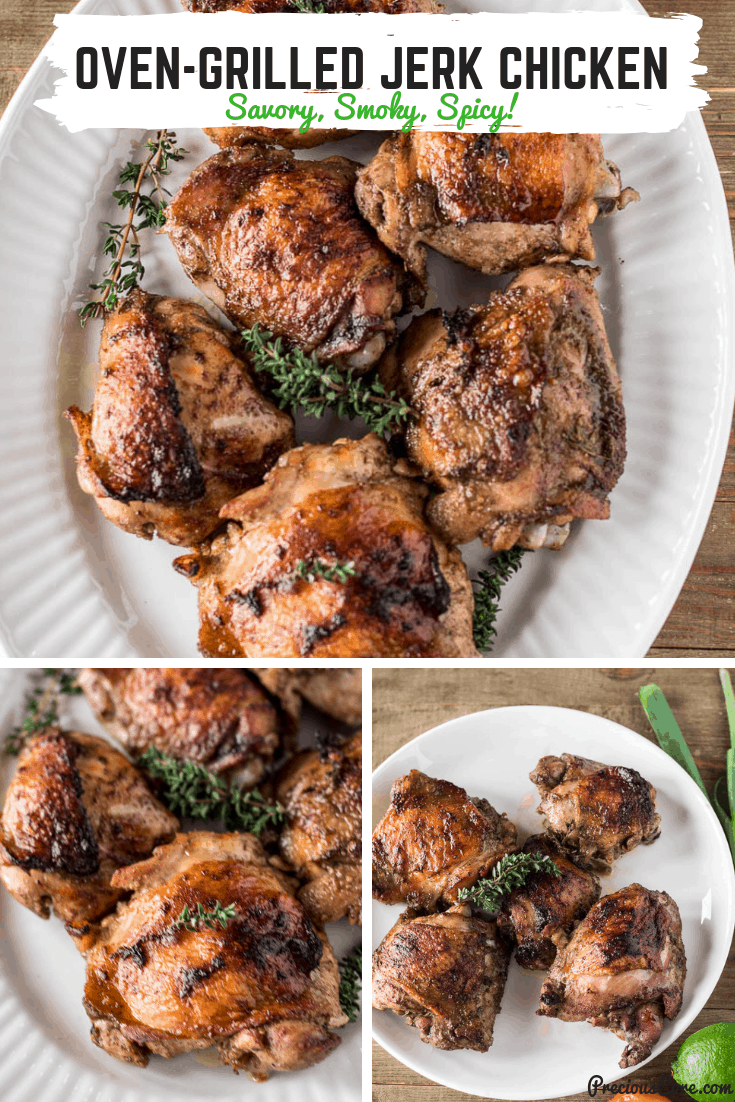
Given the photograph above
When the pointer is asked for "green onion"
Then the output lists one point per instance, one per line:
(668, 732)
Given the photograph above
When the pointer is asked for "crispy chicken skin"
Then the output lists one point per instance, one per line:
(445, 974)
(222, 719)
(434, 840)
(321, 792)
(495, 202)
(227, 137)
(623, 970)
(264, 988)
(342, 503)
(597, 812)
(520, 423)
(538, 918)
(279, 242)
(75, 811)
(178, 426)
(336, 692)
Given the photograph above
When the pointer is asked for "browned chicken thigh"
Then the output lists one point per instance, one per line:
(623, 970)
(538, 918)
(321, 793)
(178, 426)
(519, 415)
(434, 840)
(279, 242)
(493, 201)
(75, 811)
(227, 137)
(597, 812)
(336, 692)
(220, 718)
(262, 587)
(262, 984)
(445, 974)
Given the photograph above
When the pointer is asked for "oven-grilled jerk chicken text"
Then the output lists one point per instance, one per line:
(434, 840)
(263, 987)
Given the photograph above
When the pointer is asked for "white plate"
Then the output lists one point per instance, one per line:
(491, 754)
(71, 583)
(45, 1051)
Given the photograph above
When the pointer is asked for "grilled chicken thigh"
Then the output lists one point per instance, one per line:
(445, 974)
(227, 137)
(597, 812)
(406, 594)
(623, 970)
(178, 426)
(222, 719)
(320, 791)
(434, 840)
(263, 985)
(538, 918)
(75, 811)
(336, 692)
(493, 201)
(519, 416)
(279, 242)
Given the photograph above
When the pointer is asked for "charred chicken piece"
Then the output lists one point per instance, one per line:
(434, 840)
(178, 426)
(279, 242)
(263, 987)
(222, 719)
(407, 594)
(75, 811)
(519, 413)
(597, 812)
(321, 792)
(445, 974)
(623, 970)
(228, 137)
(495, 202)
(538, 919)
(336, 692)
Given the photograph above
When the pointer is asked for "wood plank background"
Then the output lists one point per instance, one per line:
(703, 619)
(407, 702)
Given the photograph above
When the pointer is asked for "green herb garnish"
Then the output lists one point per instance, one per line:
(41, 708)
(191, 791)
(490, 582)
(300, 380)
(122, 243)
(315, 568)
(193, 920)
(511, 872)
(350, 983)
(307, 7)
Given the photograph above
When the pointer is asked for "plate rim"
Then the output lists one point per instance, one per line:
(727, 886)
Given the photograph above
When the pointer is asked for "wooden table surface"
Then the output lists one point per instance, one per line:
(703, 619)
(407, 702)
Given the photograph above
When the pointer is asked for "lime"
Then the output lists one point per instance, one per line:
(705, 1063)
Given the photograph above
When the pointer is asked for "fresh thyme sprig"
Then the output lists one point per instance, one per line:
(350, 983)
(307, 7)
(511, 872)
(190, 790)
(122, 243)
(490, 582)
(42, 708)
(192, 920)
(312, 569)
(301, 380)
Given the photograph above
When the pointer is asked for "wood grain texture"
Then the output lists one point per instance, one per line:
(409, 701)
(703, 620)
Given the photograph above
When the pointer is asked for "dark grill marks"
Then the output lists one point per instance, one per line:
(190, 977)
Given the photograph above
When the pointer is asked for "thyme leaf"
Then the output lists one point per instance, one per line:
(122, 243)
(307, 7)
(511, 872)
(299, 380)
(189, 790)
(490, 582)
(192, 920)
(312, 569)
(350, 983)
(41, 708)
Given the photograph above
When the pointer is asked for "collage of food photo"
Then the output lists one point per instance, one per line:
(440, 416)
